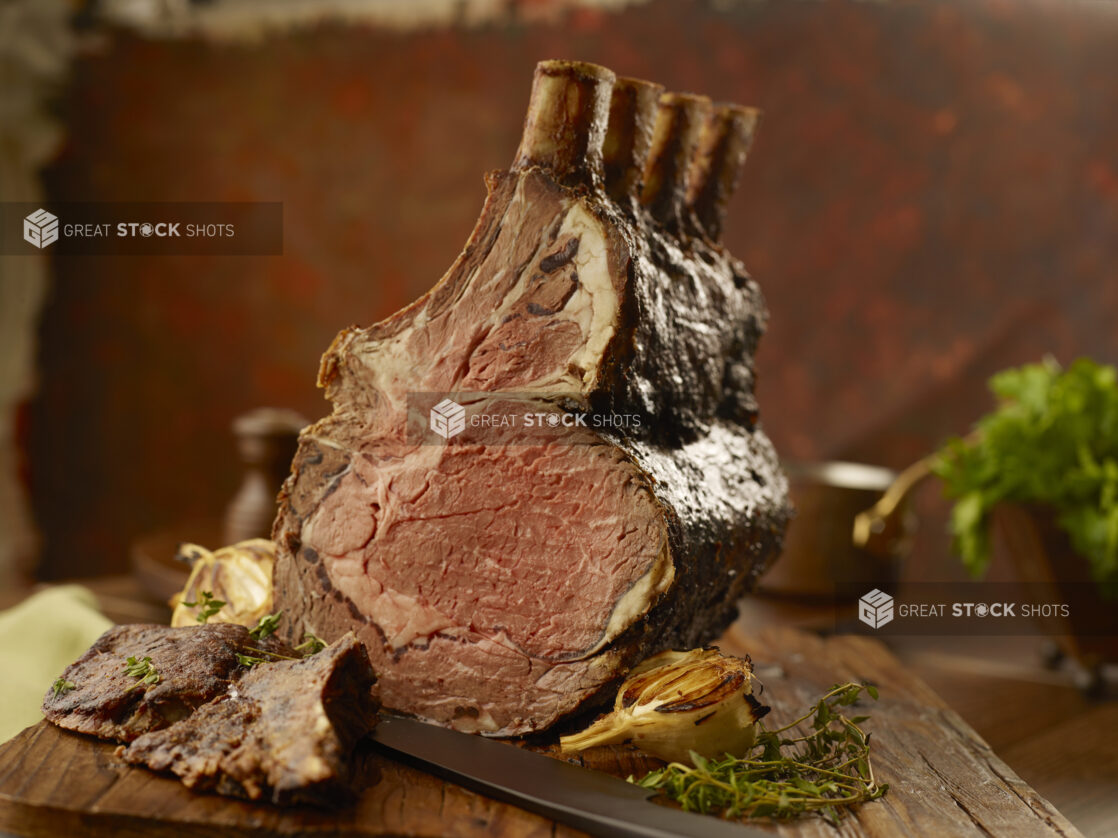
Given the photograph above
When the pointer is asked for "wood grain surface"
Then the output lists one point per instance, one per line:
(944, 779)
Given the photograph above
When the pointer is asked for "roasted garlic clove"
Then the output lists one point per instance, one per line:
(239, 576)
(678, 702)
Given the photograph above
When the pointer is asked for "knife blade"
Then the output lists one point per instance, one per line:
(589, 800)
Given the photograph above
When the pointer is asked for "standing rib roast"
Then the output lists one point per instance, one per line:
(503, 577)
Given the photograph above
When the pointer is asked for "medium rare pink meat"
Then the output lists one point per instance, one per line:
(502, 576)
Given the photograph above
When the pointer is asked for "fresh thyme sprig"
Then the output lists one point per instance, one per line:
(311, 645)
(141, 669)
(209, 606)
(824, 771)
(61, 686)
(267, 626)
(251, 660)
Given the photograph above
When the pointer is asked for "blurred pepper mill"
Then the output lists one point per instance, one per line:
(266, 441)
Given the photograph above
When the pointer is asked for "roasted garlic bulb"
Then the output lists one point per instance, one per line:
(678, 702)
(239, 576)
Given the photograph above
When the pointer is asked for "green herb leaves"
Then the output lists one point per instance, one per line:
(267, 626)
(824, 771)
(206, 604)
(311, 645)
(1052, 440)
(142, 670)
(251, 660)
(61, 686)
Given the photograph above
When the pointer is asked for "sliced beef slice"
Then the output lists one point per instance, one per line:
(284, 733)
(502, 582)
(195, 664)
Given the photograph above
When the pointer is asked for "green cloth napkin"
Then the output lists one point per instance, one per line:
(38, 639)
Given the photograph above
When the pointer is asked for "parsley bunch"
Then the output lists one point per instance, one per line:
(1052, 440)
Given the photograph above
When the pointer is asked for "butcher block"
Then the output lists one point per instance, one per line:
(944, 780)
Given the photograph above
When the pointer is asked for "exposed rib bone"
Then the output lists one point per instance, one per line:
(632, 115)
(723, 145)
(566, 121)
(679, 123)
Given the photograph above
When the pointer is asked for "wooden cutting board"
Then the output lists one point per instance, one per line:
(944, 780)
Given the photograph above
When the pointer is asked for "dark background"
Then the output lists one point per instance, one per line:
(932, 196)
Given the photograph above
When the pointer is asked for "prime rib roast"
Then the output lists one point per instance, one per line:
(503, 578)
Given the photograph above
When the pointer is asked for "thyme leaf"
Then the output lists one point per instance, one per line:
(272, 654)
(311, 645)
(141, 669)
(208, 606)
(249, 660)
(267, 626)
(789, 773)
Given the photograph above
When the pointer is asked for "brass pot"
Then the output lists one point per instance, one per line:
(821, 559)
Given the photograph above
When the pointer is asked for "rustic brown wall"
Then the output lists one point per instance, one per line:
(933, 195)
